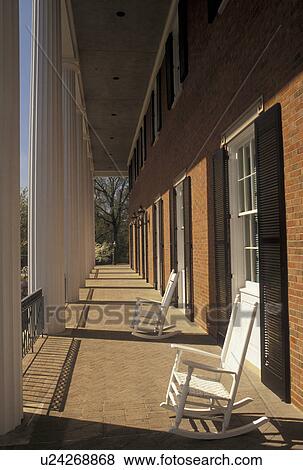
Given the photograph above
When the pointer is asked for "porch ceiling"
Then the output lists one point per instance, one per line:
(116, 46)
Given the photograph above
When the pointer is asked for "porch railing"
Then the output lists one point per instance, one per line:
(32, 310)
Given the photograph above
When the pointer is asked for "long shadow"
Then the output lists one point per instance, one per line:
(118, 335)
(50, 432)
(121, 287)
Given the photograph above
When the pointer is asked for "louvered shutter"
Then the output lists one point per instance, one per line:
(169, 64)
(173, 238)
(144, 138)
(135, 164)
(152, 121)
(221, 242)
(161, 242)
(130, 178)
(275, 367)
(159, 101)
(155, 254)
(142, 247)
(146, 244)
(131, 246)
(188, 248)
(183, 45)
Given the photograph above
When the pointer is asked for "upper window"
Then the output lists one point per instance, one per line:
(176, 54)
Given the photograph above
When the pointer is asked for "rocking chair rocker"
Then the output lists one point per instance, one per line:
(150, 316)
(213, 400)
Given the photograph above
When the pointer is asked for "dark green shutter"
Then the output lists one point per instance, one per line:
(144, 138)
(155, 254)
(188, 248)
(141, 141)
(183, 44)
(275, 368)
(131, 246)
(161, 241)
(169, 63)
(142, 247)
(159, 101)
(221, 242)
(152, 121)
(173, 238)
(146, 244)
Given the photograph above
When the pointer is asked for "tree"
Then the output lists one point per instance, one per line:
(111, 210)
(24, 225)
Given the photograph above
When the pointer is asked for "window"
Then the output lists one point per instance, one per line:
(138, 155)
(247, 207)
(130, 175)
(183, 45)
(176, 55)
(144, 140)
(152, 121)
(156, 108)
(244, 213)
(158, 102)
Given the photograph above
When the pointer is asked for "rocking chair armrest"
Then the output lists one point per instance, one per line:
(194, 350)
(197, 365)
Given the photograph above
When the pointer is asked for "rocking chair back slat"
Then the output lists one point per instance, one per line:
(167, 297)
(241, 323)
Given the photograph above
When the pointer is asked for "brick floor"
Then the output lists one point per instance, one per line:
(98, 387)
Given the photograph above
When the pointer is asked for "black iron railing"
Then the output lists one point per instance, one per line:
(32, 310)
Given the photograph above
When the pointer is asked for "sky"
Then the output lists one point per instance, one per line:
(25, 15)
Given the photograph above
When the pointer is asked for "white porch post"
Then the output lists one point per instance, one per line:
(80, 197)
(10, 304)
(71, 214)
(46, 189)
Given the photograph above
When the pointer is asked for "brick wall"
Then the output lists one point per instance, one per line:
(253, 49)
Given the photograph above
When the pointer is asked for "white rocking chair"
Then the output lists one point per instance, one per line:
(212, 400)
(150, 316)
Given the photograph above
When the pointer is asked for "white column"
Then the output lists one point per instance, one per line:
(71, 223)
(10, 311)
(46, 190)
(80, 196)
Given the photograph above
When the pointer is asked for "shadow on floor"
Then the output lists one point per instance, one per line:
(51, 432)
(184, 338)
(47, 378)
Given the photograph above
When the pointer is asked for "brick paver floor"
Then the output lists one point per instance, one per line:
(98, 387)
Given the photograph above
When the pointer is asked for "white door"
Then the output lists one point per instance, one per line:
(243, 229)
(180, 244)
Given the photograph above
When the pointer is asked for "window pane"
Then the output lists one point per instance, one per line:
(247, 263)
(240, 163)
(241, 196)
(247, 188)
(253, 231)
(247, 169)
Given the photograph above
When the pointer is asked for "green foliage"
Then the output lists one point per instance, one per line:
(111, 210)
(24, 225)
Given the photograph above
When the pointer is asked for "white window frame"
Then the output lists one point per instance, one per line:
(239, 281)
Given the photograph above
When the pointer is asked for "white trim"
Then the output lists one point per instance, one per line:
(180, 179)
(157, 65)
(157, 200)
(245, 120)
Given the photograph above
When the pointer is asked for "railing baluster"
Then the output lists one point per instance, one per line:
(32, 308)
